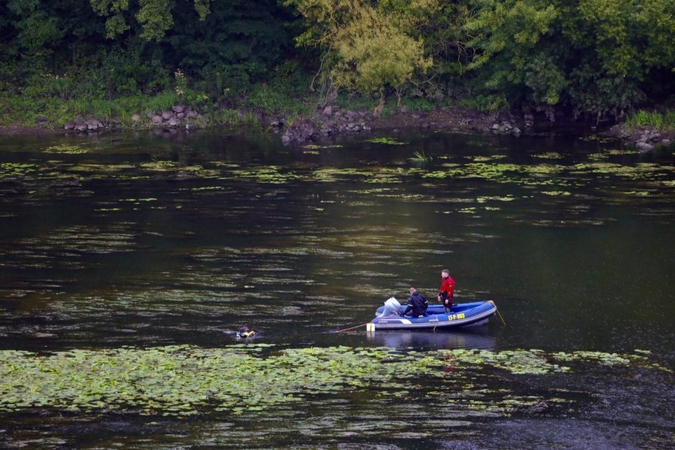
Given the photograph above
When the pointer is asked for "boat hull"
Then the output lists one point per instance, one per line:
(462, 315)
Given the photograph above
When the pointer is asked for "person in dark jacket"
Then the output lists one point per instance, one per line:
(417, 304)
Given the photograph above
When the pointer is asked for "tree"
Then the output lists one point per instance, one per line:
(626, 53)
(43, 36)
(445, 39)
(514, 49)
(153, 16)
(34, 28)
(594, 57)
(240, 42)
(367, 46)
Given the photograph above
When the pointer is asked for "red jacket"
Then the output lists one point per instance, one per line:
(447, 287)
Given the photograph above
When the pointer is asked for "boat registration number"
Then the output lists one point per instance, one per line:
(456, 316)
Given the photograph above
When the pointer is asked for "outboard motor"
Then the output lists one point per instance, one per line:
(391, 308)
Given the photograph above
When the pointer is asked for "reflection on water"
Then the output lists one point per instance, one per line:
(117, 241)
(480, 338)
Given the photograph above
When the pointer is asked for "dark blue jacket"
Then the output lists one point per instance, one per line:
(417, 305)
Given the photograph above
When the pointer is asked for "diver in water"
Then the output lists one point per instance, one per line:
(245, 333)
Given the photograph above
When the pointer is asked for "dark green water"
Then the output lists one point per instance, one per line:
(141, 241)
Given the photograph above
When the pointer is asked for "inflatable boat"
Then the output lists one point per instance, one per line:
(390, 316)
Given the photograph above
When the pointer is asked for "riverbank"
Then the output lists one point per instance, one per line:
(330, 121)
(333, 122)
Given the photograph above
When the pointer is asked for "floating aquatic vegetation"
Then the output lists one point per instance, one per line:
(610, 359)
(607, 168)
(385, 140)
(543, 169)
(617, 152)
(469, 210)
(319, 147)
(556, 193)
(548, 155)
(638, 193)
(183, 380)
(207, 188)
(67, 149)
(13, 170)
(180, 170)
(160, 166)
(476, 170)
(482, 158)
(511, 173)
(596, 138)
(101, 169)
(386, 175)
(598, 156)
(267, 175)
(484, 199)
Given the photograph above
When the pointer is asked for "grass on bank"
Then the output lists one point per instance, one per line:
(663, 121)
(32, 107)
(55, 111)
(29, 111)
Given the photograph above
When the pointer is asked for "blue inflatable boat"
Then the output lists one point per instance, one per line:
(389, 316)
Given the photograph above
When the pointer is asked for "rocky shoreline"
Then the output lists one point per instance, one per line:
(644, 139)
(177, 117)
(331, 122)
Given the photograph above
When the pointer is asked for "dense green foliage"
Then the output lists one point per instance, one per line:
(595, 58)
(370, 46)
(592, 56)
(182, 380)
(119, 48)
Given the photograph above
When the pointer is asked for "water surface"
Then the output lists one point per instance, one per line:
(146, 242)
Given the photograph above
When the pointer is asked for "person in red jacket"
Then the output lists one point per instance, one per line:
(447, 290)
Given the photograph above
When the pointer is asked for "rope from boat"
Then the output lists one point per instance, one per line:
(352, 328)
(498, 313)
